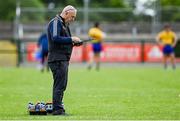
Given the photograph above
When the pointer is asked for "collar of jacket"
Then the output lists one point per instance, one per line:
(61, 19)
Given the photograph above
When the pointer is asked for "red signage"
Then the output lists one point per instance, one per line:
(112, 52)
(152, 53)
(77, 54)
(118, 52)
(32, 51)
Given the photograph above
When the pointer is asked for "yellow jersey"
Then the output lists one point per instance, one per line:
(167, 37)
(96, 34)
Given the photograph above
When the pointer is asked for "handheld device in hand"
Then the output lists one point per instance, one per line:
(81, 42)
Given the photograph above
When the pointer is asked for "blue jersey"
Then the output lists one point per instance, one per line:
(43, 43)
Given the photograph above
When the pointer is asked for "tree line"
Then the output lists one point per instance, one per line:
(167, 11)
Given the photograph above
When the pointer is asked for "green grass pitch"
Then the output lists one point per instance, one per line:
(113, 93)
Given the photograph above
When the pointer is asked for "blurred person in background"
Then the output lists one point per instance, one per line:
(43, 48)
(60, 48)
(167, 39)
(97, 35)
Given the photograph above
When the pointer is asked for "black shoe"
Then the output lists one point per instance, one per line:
(59, 112)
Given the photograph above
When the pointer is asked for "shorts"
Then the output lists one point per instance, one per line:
(168, 49)
(97, 47)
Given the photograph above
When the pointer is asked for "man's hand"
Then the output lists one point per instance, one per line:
(76, 41)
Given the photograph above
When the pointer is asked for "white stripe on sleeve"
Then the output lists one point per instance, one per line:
(55, 27)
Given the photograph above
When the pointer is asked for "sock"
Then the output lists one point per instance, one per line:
(174, 66)
(165, 66)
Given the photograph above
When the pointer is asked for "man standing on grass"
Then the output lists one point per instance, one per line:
(43, 47)
(167, 39)
(60, 49)
(97, 35)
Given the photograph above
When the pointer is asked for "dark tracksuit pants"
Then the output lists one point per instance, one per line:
(60, 76)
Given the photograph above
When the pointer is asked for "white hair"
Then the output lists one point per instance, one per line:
(68, 8)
